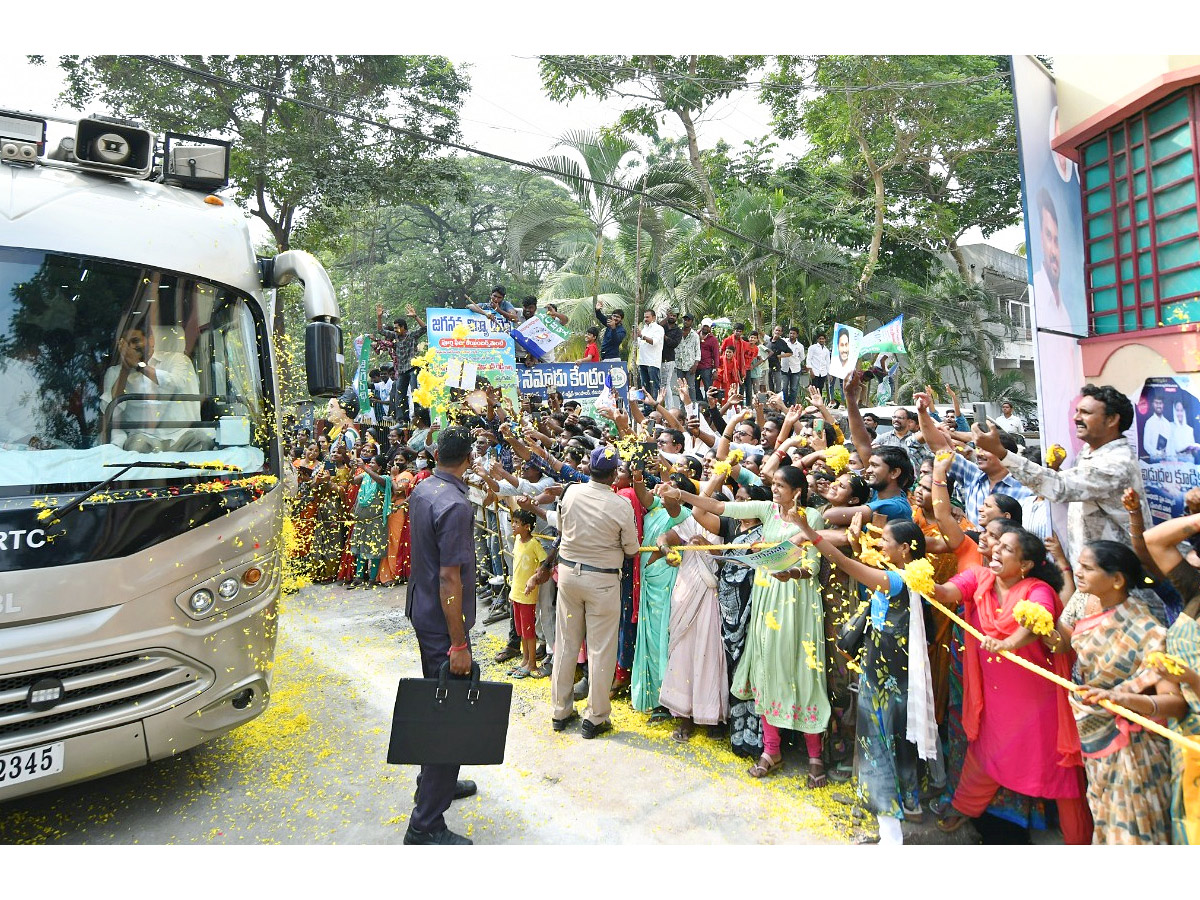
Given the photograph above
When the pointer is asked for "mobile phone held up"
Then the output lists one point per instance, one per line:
(980, 414)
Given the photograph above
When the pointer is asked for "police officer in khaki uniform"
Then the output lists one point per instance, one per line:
(598, 531)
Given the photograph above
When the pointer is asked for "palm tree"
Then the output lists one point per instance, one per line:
(595, 211)
(955, 327)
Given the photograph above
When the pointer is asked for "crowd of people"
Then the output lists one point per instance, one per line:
(582, 527)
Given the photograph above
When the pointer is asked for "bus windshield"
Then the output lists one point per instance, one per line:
(105, 362)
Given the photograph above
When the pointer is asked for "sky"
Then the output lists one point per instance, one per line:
(506, 111)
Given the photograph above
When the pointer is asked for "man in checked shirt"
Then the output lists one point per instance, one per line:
(399, 343)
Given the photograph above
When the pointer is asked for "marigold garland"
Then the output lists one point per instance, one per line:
(1173, 665)
(1034, 617)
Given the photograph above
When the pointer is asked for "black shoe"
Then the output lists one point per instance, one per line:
(540, 654)
(589, 729)
(561, 724)
(462, 790)
(445, 836)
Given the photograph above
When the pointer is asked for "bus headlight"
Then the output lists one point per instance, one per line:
(201, 601)
(228, 588)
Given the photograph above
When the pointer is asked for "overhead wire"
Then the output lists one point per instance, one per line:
(835, 276)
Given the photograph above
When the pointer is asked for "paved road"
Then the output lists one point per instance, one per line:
(311, 770)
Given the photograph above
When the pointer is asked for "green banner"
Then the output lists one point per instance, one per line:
(362, 382)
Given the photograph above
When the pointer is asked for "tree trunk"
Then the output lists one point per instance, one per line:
(877, 227)
(964, 270)
(689, 128)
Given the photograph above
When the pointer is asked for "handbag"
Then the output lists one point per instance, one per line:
(450, 720)
(853, 630)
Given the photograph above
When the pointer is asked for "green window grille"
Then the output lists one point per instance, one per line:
(1140, 185)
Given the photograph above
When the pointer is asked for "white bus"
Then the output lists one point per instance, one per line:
(140, 497)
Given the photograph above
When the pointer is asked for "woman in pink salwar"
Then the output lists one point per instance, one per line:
(695, 688)
(1020, 728)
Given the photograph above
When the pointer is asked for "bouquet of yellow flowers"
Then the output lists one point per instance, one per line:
(1056, 454)
(838, 459)
(869, 554)
(918, 575)
(1173, 665)
(1034, 617)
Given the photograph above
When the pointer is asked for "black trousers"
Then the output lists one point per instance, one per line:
(435, 784)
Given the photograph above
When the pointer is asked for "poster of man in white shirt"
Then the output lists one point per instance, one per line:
(1168, 411)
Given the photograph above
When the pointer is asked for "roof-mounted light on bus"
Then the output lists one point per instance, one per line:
(199, 163)
(201, 601)
(251, 575)
(22, 137)
(228, 588)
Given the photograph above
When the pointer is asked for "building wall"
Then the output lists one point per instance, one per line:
(1089, 84)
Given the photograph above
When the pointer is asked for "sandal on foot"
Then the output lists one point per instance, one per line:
(951, 823)
(940, 807)
(536, 673)
(816, 780)
(659, 715)
(682, 733)
(759, 770)
(519, 672)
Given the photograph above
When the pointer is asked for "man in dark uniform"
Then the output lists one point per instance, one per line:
(441, 607)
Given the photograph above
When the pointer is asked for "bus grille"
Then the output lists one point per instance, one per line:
(98, 694)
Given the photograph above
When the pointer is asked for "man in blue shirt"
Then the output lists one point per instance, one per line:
(888, 470)
(614, 333)
(499, 310)
(441, 607)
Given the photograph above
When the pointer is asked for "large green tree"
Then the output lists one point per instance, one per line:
(653, 85)
(289, 159)
(933, 138)
(445, 251)
(593, 211)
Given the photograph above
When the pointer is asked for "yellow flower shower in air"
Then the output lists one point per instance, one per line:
(918, 575)
(772, 622)
(461, 332)
(1034, 617)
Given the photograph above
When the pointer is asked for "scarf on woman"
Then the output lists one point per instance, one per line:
(997, 621)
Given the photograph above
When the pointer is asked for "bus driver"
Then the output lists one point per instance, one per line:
(142, 374)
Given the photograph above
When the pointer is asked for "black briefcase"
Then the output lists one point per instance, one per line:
(450, 720)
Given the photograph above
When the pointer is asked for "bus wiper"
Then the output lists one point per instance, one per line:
(125, 467)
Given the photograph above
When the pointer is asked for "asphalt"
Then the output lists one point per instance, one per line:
(312, 769)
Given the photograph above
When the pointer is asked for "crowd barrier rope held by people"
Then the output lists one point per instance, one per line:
(1149, 724)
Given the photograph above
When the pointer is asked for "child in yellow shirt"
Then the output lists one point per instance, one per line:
(527, 556)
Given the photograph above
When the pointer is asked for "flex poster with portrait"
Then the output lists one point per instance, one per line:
(1168, 441)
(1054, 241)
(850, 344)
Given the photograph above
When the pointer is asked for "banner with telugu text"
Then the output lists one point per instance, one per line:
(480, 344)
(575, 381)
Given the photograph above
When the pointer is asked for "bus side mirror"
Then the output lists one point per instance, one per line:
(323, 359)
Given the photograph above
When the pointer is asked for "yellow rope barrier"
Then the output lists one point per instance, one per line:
(1148, 724)
(751, 547)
